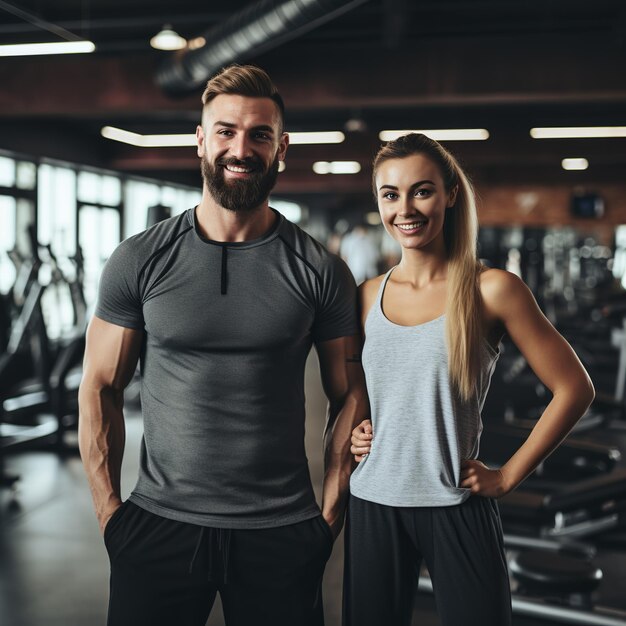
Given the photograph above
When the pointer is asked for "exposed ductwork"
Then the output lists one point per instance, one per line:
(265, 25)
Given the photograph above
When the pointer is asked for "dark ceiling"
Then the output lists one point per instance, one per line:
(502, 65)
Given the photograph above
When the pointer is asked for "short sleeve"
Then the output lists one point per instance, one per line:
(336, 315)
(119, 301)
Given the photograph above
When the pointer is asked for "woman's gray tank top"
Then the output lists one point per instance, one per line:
(422, 429)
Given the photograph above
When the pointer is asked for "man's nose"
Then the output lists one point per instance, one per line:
(240, 147)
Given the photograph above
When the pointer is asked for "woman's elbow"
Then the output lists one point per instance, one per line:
(582, 392)
(589, 391)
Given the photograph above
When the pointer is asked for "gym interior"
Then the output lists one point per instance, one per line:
(99, 145)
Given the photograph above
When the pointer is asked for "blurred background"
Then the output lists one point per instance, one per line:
(99, 101)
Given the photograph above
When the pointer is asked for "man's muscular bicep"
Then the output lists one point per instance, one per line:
(340, 366)
(111, 354)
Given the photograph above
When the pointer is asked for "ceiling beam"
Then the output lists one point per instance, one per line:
(464, 72)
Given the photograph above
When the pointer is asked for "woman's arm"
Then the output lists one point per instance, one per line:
(509, 305)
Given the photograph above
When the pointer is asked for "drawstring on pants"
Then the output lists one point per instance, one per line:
(197, 550)
(215, 543)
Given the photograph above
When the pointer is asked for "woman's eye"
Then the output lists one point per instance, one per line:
(422, 193)
(390, 196)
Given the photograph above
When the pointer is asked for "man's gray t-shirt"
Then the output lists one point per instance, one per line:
(228, 327)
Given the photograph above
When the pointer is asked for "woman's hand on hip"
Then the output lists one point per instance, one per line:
(361, 440)
(482, 481)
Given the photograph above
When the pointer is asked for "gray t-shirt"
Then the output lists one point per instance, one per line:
(423, 429)
(228, 327)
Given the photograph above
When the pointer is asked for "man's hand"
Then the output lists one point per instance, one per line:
(106, 514)
(335, 521)
(482, 481)
(362, 440)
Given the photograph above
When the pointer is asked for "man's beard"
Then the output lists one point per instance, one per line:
(239, 195)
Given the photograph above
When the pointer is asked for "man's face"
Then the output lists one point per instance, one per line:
(240, 144)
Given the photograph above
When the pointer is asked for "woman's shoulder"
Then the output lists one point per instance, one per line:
(371, 285)
(368, 290)
(501, 289)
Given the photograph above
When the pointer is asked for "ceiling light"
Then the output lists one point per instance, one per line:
(162, 141)
(168, 141)
(336, 167)
(355, 125)
(119, 134)
(575, 164)
(443, 134)
(148, 141)
(578, 132)
(36, 49)
(198, 42)
(168, 39)
(331, 136)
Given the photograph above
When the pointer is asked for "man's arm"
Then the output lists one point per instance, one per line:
(344, 386)
(111, 356)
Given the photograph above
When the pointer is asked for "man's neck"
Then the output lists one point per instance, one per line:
(219, 224)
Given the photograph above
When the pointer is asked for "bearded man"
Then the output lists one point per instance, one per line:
(222, 305)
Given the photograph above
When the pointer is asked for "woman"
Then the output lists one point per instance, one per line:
(432, 329)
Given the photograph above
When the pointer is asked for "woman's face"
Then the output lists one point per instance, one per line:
(412, 200)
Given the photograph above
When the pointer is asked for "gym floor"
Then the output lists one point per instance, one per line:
(54, 569)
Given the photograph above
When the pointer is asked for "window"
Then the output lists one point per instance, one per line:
(56, 208)
(26, 175)
(7, 172)
(140, 196)
(8, 208)
(99, 234)
(100, 189)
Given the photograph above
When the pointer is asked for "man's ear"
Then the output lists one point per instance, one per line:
(200, 140)
(283, 144)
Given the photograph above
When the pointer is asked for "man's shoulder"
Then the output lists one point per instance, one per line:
(165, 230)
(305, 246)
(139, 248)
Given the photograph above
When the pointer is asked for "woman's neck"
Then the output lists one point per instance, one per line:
(421, 268)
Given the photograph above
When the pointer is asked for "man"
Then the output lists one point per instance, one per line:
(361, 253)
(223, 303)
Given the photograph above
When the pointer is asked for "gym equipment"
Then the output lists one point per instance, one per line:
(580, 509)
(574, 459)
(157, 213)
(553, 581)
(551, 611)
(39, 378)
(28, 396)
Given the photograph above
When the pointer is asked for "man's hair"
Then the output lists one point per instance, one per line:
(243, 80)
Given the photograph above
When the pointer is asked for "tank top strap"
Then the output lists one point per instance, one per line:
(376, 308)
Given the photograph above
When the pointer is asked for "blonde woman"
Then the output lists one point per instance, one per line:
(432, 327)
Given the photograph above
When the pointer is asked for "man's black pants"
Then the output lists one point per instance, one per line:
(463, 549)
(167, 573)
